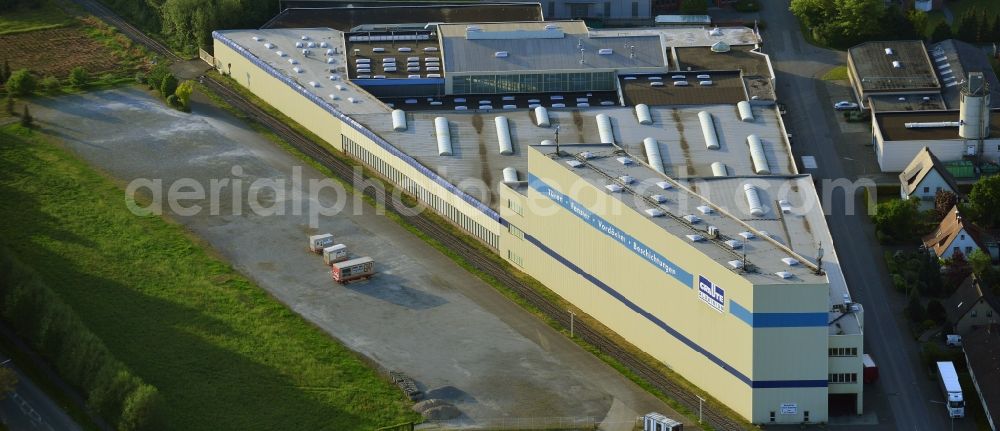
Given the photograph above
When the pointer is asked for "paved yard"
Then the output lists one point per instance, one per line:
(422, 314)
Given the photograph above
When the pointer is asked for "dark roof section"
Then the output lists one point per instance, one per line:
(313, 14)
(893, 125)
(923, 164)
(739, 57)
(962, 58)
(966, 296)
(982, 354)
(726, 88)
(874, 68)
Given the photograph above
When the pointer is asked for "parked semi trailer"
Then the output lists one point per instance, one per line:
(952, 391)
(318, 242)
(334, 254)
(354, 269)
(871, 369)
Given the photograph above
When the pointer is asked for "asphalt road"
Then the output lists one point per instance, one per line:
(28, 408)
(903, 384)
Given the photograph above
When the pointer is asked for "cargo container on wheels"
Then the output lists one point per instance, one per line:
(318, 242)
(337, 253)
(354, 269)
(948, 378)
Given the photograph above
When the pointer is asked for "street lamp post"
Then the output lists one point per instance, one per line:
(572, 315)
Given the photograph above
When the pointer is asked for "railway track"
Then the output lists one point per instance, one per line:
(321, 153)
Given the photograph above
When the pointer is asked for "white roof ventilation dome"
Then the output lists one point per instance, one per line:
(720, 46)
(501, 54)
(753, 200)
(715, 32)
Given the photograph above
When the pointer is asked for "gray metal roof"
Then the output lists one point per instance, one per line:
(526, 52)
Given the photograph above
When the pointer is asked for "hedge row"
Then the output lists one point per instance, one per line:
(38, 314)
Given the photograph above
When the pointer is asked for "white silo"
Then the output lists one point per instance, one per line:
(974, 111)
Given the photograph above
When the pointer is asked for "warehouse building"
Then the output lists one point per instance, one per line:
(681, 222)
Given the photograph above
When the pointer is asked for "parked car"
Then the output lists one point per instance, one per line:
(844, 105)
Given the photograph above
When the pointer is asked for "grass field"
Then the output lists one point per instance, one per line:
(838, 73)
(221, 351)
(25, 19)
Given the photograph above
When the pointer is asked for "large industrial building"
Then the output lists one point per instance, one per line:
(940, 97)
(642, 174)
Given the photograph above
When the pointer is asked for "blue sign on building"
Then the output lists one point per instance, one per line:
(712, 294)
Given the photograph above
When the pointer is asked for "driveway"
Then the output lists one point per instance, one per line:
(901, 397)
(421, 314)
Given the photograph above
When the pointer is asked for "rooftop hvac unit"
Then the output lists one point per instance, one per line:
(304, 37)
(665, 185)
(607, 135)
(713, 232)
(705, 209)
(654, 212)
(624, 160)
(500, 54)
(548, 142)
(503, 135)
(784, 274)
(398, 120)
(509, 175)
(613, 188)
(653, 154)
(658, 198)
(256, 39)
(747, 235)
(443, 133)
(269, 45)
(708, 130)
(642, 113)
(695, 238)
(626, 179)
(298, 44)
(753, 200)
(888, 51)
(605, 51)
(735, 264)
(789, 261)
(691, 218)
(734, 244)
(896, 64)
(587, 155)
(574, 163)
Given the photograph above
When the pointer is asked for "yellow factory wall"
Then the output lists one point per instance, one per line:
(759, 354)
(349, 140)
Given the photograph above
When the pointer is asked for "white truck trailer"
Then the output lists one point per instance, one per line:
(952, 391)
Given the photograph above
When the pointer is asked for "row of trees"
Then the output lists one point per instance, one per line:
(39, 315)
(188, 24)
(161, 80)
(24, 83)
(844, 23)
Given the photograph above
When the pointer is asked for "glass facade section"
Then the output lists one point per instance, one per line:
(533, 83)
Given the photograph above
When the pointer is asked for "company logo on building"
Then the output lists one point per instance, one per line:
(712, 294)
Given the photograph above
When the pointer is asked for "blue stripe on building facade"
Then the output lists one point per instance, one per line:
(778, 320)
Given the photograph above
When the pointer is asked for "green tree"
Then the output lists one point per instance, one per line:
(26, 119)
(958, 270)
(140, 409)
(968, 27)
(984, 200)
(694, 7)
(935, 311)
(156, 75)
(21, 83)
(812, 13)
(918, 21)
(8, 103)
(897, 219)
(942, 31)
(5, 71)
(168, 86)
(78, 77)
(914, 309)
(183, 94)
(50, 83)
(8, 381)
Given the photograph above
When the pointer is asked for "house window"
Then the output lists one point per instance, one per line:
(963, 237)
(974, 312)
(927, 189)
(968, 251)
(955, 250)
